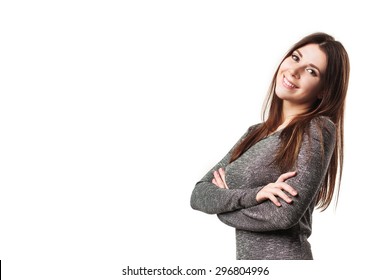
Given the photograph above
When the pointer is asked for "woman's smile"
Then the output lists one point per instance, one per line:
(287, 84)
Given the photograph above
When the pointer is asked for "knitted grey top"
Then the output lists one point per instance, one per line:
(264, 230)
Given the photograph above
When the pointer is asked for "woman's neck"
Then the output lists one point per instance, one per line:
(289, 112)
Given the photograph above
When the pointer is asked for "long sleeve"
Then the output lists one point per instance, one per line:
(312, 164)
(208, 198)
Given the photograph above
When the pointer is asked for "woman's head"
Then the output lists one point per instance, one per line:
(314, 75)
(299, 77)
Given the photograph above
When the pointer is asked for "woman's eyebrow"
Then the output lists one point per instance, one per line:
(312, 65)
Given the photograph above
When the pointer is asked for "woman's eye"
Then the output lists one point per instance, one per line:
(312, 72)
(295, 57)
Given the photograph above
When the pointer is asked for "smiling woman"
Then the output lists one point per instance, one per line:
(269, 183)
(299, 79)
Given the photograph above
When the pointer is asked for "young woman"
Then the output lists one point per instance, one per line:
(269, 183)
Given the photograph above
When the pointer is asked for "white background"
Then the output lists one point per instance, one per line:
(111, 111)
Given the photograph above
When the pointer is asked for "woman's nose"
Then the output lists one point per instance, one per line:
(294, 71)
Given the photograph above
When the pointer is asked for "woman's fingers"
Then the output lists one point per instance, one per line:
(223, 177)
(283, 195)
(274, 190)
(218, 180)
(274, 200)
(286, 187)
(280, 182)
(278, 189)
(272, 195)
(286, 176)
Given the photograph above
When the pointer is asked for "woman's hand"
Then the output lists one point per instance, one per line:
(278, 189)
(219, 179)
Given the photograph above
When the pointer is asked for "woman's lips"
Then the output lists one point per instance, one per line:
(288, 84)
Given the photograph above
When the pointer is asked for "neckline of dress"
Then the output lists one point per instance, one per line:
(273, 133)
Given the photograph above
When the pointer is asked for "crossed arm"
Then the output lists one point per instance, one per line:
(259, 209)
(312, 167)
(209, 198)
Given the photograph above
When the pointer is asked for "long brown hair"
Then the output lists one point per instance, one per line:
(334, 88)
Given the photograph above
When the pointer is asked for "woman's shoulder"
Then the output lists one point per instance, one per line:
(254, 126)
(323, 121)
(322, 124)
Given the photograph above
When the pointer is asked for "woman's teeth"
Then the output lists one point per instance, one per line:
(287, 83)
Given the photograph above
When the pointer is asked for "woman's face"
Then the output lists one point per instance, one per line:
(299, 77)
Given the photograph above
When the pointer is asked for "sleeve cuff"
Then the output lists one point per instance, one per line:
(249, 199)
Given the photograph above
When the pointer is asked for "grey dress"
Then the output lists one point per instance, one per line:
(265, 231)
